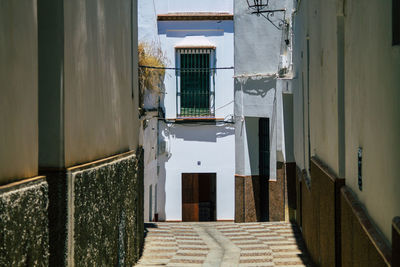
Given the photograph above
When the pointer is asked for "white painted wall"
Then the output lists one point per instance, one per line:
(18, 90)
(321, 90)
(371, 102)
(171, 6)
(218, 33)
(258, 90)
(212, 145)
(149, 138)
(257, 42)
(372, 109)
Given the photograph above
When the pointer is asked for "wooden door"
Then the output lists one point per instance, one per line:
(198, 197)
(264, 154)
(190, 197)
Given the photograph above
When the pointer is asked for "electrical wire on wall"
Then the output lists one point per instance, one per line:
(174, 68)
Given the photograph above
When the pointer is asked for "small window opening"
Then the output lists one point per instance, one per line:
(195, 91)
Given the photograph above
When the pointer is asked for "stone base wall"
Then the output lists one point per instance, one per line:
(106, 217)
(320, 218)
(362, 244)
(24, 238)
(257, 199)
(277, 191)
(96, 212)
(247, 199)
(336, 229)
(396, 241)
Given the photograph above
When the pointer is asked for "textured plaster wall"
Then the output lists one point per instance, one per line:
(19, 90)
(24, 239)
(257, 42)
(300, 30)
(106, 215)
(197, 149)
(147, 21)
(254, 98)
(188, 144)
(317, 82)
(150, 146)
(372, 109)
(258, 55)
(219, 33)
(99, 65)
(371, 97)
(170, 6)
(88, 90)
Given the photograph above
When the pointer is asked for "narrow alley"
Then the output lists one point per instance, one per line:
(223, 244)
(200, 133)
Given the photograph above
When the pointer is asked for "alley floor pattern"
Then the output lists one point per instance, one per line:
(223, 244)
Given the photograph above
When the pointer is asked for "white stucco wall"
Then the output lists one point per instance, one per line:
(212, 146)
(257, 41)
(186, 144)
(218, 33)
(18, 90)
(372, 108)
(371, 97)
(171, 6)
(150, 146)
(255, 98)
(259, 48)
(316, 24)
(147, 22)
(300, 29)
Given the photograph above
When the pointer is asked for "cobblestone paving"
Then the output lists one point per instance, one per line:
(223, 244)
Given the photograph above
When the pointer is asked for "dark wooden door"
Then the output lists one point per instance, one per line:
(198, 197)
(190, 197)
(264, 149)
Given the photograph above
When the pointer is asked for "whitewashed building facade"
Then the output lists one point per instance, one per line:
(196, 135)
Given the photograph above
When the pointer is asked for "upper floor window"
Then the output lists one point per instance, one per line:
(396, 22)
(195, 79)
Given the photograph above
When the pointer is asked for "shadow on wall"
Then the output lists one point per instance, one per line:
(202, 133)
(191, 28)
(161, 187)
(252, 143)
(256, 86)
(187, 132)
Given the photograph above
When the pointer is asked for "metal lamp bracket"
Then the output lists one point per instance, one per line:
(260, 8)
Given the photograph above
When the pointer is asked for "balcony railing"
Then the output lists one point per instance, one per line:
(196, 103)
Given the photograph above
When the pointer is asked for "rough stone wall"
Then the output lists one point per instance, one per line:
(24, 238)
(108, 213)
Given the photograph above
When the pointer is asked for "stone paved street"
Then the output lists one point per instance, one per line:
(223, 244)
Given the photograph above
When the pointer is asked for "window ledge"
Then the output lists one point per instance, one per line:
(195, 16)
(196, 119)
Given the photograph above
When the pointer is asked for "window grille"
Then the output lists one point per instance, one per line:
(195, 83)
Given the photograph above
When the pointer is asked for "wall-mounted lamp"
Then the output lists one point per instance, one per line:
(260, 8)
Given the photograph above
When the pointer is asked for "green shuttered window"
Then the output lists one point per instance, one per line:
(194, 84)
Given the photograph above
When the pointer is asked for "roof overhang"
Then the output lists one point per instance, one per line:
(195, 42)
(195, 16)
